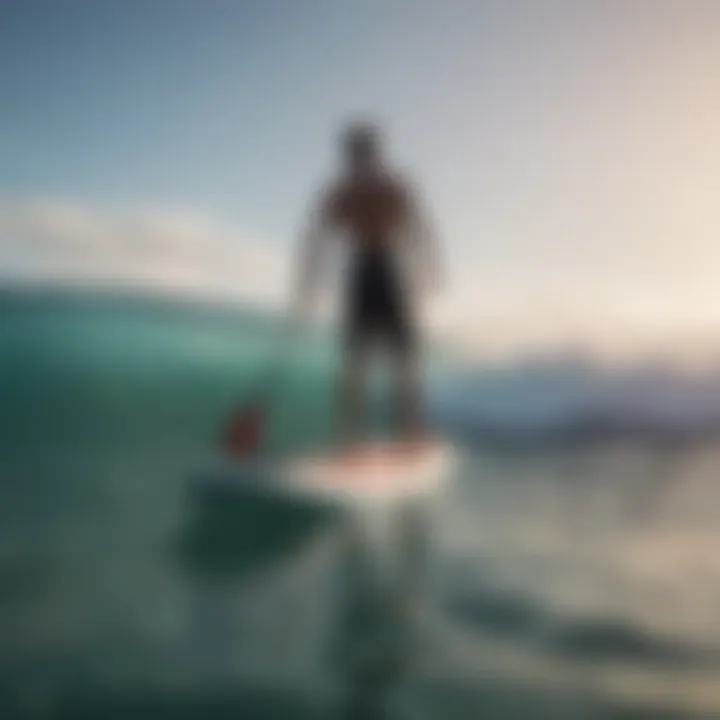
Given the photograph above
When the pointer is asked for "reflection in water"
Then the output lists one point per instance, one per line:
(372, 607)
(232, 544)
(379, 599)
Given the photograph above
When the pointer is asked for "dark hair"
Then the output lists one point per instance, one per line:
(361, 136)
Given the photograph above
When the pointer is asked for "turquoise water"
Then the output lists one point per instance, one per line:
(573, 582)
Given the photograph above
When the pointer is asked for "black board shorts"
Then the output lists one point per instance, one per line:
(377, 308)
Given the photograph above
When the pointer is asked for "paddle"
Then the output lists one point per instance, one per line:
(243, 436)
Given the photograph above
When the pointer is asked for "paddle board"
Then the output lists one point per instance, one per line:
(376, 472)
(373, 471)
(249, 514)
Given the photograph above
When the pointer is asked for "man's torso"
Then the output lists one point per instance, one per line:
(370, 211)
(371, 214)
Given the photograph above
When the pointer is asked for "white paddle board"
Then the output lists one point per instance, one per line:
(374, 472)
(243, 512)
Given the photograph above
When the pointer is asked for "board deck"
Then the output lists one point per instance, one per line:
(374, 470)
(369, 471)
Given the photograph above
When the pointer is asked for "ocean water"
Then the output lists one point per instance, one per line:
(564, 579)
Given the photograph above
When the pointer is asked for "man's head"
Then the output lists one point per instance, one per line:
(362, 147)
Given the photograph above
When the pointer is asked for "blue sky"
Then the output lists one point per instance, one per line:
(568, 148)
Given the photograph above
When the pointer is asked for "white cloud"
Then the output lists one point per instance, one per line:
(170, 249)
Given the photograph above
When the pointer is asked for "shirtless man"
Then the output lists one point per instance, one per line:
(392, 256)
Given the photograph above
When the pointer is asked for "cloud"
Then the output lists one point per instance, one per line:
(162, 248)
(184, 251)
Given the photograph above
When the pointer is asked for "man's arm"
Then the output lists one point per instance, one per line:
(313, 245)
(423, 240)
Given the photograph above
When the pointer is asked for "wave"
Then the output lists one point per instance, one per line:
(103, 337)
(515, 615)
(568, 401)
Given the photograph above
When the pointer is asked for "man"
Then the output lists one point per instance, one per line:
(392, 257)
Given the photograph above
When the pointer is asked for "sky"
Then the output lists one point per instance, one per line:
(568, 151)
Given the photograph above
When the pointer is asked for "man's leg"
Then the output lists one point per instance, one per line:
(351, 410)
(409, 411)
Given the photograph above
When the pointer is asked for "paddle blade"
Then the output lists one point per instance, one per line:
(244, 433)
